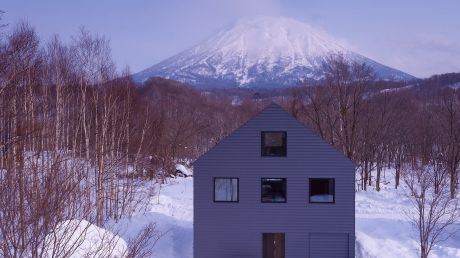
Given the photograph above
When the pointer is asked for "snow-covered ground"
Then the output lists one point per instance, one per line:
(79, 238)
(382, 228)
(173, 214)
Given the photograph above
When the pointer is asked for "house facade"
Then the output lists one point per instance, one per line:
(274, 189)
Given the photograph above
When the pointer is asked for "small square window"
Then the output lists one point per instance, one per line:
(226, 189)
(322, 190)
(274, 144)
(273, 190)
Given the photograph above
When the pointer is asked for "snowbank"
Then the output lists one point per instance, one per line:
(83, 239)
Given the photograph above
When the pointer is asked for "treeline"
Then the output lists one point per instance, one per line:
(378, 127)
(77, 136)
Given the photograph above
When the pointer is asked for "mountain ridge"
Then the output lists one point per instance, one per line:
(259, 52)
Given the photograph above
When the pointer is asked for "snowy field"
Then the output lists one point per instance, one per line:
(384, 231)
(382, 228)
(173, 215)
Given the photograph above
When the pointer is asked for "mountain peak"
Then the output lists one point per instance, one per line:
(272, 37)
(261, 51)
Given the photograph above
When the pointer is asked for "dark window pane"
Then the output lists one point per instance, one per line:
(274, 139)
(274, 144)
(274, 190)
(322, 190)
(226, 189)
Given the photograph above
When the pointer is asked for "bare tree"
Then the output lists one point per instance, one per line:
(348, 82)
(447, 115)
(53, 184)
(142, 245)
(433, 211)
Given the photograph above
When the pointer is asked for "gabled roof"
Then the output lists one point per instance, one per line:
(272, 106)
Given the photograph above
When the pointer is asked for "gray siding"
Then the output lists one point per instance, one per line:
(329, 245)
(235, 229)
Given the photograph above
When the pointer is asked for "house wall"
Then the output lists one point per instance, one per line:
(235, 229)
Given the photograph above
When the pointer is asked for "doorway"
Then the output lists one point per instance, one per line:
(273, 245)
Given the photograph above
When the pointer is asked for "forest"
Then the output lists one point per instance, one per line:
(78, 135)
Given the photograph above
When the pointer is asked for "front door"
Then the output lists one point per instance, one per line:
(273, 245)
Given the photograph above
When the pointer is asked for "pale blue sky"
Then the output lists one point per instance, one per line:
(418, 37)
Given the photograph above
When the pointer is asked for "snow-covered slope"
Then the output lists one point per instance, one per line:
(259, 52)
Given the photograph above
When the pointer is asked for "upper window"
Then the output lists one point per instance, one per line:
(226, 189)
(274, 144)
(322, 190)
(273, 190)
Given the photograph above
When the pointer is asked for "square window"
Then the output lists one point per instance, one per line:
(226, 189)
(274, 144)
(273, 190)
(322, 190)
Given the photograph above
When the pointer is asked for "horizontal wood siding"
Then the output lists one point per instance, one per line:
(235, 229)
(328, 245)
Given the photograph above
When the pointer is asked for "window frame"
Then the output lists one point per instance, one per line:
(262, 143)
(261, 189)
(321, 178)
(237, 190)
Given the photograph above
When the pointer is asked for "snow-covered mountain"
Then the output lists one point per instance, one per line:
(259, 52)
